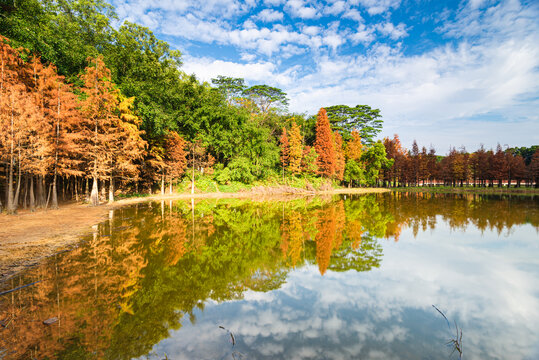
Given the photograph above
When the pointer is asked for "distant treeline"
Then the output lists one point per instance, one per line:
(512, 166)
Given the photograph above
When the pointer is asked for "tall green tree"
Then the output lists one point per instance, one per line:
(375, 160)
(362, 118)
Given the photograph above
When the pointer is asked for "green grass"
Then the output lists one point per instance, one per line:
(206, 184)
(131, 195)
(470, 190)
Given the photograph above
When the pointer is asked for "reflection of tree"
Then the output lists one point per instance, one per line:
(139, 274)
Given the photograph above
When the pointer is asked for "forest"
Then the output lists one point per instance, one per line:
(89, 107)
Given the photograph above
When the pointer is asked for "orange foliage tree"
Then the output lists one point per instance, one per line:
(285, 150)
(175, 157)
(296, 149)
(324, 145)
(339, 157)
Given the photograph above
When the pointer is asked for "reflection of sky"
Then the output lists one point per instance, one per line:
(487, 282)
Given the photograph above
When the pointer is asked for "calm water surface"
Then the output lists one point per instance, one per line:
(319, 278)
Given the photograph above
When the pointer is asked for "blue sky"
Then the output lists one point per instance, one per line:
(447, 73)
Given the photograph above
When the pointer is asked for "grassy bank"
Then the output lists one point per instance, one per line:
(470, 190)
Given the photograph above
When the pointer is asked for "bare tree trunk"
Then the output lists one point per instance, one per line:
(19, 180)
(32, 198)
(43, 192)
(170, 186)
(54, 204)
(76, 189)
(48, 197)
(10, 205)
(25, 197)
(87, 189)
(163, 184)
(103, 190)
(111, 189)
(94, 195)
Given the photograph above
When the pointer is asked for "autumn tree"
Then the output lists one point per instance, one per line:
(285, 150)
(296, 149)
(397, 153)
(324, 145)
(497, 166)
(95, 135)
(17, 114)
(533, 169)
(339, 157)
(127, 147)
(176, 156)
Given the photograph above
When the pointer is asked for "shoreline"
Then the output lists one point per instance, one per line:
(523, 191)
(27, 238)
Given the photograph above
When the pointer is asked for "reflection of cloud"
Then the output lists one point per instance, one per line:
(487, 283)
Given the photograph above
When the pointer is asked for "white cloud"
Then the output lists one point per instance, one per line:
(206, 69)
(354, 15)
(375, 7)
(394, 32)
(311, 30)
(336, 8)
(273, 2)
(269, 15)
(299, 9)
(363, 34)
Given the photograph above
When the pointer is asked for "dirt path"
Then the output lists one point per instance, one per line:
(28, 238)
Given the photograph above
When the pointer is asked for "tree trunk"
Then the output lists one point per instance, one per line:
(103, 190)
(10, 206)
(43, 192)
(25, 198)
(111, 190)
(32, 197)
(87, 189)
(94, 195)
(170, 186)
(76, 189)
(163, 184)
(18, 191)
(54, 203)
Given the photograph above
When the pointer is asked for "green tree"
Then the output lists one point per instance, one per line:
(362, 118)
(375, 160)
(232, 88)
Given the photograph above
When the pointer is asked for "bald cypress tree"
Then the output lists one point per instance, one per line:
(324, 145)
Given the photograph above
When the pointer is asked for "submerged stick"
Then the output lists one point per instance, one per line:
(229, 333)
(18, 288)
(449, 326)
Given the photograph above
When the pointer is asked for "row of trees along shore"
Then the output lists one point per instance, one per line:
(86, 107)
(510, 167)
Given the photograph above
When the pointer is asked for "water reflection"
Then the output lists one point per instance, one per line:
(155, 268)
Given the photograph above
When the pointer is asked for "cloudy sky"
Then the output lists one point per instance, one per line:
(446, 73)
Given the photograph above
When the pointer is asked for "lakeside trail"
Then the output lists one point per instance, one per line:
(27, 238)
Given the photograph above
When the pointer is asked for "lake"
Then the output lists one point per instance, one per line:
(336, 277)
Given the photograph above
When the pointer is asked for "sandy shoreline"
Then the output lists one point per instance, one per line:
(28, 238)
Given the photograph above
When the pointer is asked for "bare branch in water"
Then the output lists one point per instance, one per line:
(457, 341)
